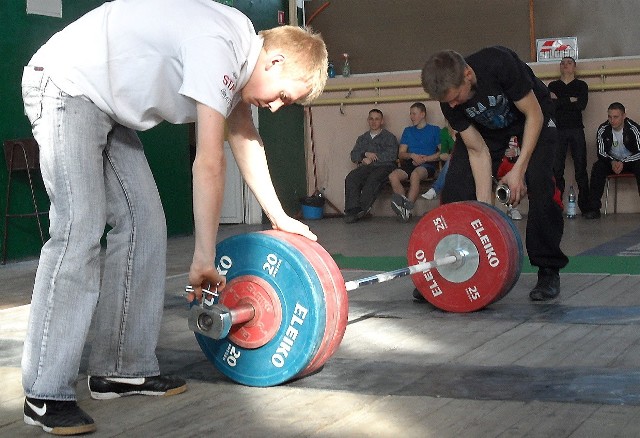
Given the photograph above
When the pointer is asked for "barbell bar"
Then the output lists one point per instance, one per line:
(216, 321)
(403, 272)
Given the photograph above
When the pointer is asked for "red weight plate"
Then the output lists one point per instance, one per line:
(465, 288)
(512, 251)
(516, 253)
(342, 303)
(335, 335)
(299, 243)
(253, 290)
(335, 296)
(307, 248)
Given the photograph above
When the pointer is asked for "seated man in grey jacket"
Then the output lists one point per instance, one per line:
(375, 152)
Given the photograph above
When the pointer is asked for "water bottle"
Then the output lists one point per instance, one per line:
(346, 68)
(571, 205)
(331, 70)
(514, 149)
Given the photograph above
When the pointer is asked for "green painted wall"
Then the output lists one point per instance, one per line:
(167, 146)
(283, 136)
(283, 131)
(20, 37)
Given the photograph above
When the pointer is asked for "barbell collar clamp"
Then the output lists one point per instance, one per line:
(216, 321)
(503, 194)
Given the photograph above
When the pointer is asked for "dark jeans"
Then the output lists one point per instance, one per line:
(572, 139)
(362, 185)
(599, 172)
(545, 223)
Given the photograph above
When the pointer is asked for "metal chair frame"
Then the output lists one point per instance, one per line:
(21, 155)
(614, 177)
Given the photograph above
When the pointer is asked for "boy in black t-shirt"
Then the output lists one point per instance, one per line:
(488, 97)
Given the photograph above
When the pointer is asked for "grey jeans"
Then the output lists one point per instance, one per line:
(95, 173)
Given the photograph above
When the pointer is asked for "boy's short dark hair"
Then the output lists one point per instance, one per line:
(421, 106)
(442, 71)
(616, 106)
(376, 110)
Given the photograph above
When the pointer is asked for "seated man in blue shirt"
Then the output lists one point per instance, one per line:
(419, 154)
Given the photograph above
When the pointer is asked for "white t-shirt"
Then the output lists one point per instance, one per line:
(618, 150)
(145, 61)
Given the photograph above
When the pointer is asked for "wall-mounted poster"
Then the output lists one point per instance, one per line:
(554, 49)
(50, 8)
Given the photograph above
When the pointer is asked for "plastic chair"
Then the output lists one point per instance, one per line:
(21, 155)
(615, 177)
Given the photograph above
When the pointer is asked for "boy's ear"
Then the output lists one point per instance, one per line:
(274, 60)
(468, 73)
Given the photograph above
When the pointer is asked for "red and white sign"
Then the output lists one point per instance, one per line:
(554, 49)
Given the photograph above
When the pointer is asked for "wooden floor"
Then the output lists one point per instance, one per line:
(404, 369)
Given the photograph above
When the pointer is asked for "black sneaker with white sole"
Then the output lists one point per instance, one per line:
(397, 203)
(104, 388)
(57, 417)
(399, 206)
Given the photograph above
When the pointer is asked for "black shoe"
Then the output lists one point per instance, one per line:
(57, 417)
(548, 285)
(363, 213)
(593, 214)
(397, 205)
(418, 296)
(350, 218)
(355, 215)
(104, 388)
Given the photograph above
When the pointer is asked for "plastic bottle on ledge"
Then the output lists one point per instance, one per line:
(571, 205)
(346, 68)
(331, 71)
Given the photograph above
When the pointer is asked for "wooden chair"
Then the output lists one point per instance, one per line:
(615, 177)
(21, 155)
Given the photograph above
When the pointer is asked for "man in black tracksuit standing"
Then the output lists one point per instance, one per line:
(571, 96)
(488, 97)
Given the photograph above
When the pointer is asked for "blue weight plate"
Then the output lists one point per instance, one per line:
(303, 311)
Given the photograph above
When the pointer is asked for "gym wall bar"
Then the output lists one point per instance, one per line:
(349, 88)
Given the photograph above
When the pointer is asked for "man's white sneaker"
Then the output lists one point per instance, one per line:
(514, 214)
(430, 194)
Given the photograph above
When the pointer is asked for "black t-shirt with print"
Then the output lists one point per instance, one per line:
(502, 79)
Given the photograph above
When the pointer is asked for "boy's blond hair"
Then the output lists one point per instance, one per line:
(306, 56)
